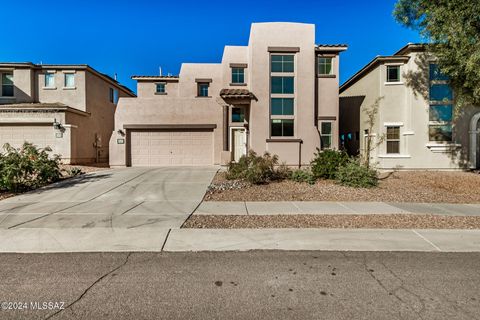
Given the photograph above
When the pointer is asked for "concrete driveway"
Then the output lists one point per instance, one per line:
(121, 199)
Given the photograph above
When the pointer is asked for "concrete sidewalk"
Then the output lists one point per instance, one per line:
(323, 239)
(328, 207)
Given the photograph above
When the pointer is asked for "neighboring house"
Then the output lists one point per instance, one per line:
(416, 123)
(278, 94)
(69, 108)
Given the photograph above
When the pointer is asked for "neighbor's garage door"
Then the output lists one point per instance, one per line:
(171, 147)
(40, 135)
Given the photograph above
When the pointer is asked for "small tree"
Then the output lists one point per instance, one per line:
(370, 145)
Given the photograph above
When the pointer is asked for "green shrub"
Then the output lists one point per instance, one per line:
(27, 168)
(255, 169)
(326, 163)
(354, 174)
(300, 175)
(73, 172)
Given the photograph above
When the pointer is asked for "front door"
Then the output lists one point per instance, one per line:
(239, 144)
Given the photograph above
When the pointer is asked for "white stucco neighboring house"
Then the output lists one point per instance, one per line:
(416, 115)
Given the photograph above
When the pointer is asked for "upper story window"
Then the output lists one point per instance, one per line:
(238, 75)
(160, 88)
(7, 85)
(393, 140)
(49, 80)
(282, 63)
(282, 85)
(441, 106)
(113, 95)
(393, 73)
(69, 80)
(325, 66)
(203, 89)
(282, 106)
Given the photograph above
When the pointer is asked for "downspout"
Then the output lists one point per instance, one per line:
(225, 128)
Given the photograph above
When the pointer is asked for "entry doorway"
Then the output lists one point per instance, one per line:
(239, 143)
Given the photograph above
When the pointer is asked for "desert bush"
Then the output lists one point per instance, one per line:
(326, 163)
(300, 175)
(73, 172)
(254, 168)
(27, 167)
(354, 174)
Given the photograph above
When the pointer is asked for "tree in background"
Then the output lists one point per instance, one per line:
(452, 29)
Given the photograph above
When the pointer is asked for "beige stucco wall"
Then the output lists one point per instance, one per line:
(408, 107)
(90, 96)
(149, 108)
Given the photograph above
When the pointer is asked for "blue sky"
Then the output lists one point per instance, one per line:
(136, 37)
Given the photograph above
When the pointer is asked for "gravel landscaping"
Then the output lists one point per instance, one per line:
(420, 186)
(394, 221)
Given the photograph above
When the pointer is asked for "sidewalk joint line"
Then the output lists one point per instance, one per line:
(430, 242)
(246, 208)
(165, 241)
(298, 208)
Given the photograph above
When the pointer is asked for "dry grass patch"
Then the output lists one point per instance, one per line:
(418, 186)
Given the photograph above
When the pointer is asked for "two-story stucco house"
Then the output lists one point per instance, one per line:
(278, 94)
(417, 126)
(69, 108)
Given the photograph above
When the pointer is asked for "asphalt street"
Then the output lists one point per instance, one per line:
(241, 285)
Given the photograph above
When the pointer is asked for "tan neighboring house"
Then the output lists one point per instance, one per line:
(278, 94)
(69, 108)
(416, 116)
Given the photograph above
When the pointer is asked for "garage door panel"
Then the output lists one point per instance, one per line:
(177, 147)
(41, 136)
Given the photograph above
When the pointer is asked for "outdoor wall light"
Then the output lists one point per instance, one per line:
(57, 125)
(120, 132)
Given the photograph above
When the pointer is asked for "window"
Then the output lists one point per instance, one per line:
(282, 85)
(69, 80)
(282, 127)
(160, 88)
(393, 73)
(203, 89)
(282, 106)
(238, 75)
(393, 140)
(238, 115)
(7, 84)
(441, 106)
(282, 63)
(49, 80)
(111, 95)
(326, 135)
(324, 66)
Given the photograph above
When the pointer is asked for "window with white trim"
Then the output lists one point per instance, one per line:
(69, 80)
(325, 66)
(326, 135)
(49, 80)
(393, 73)
(393, 140)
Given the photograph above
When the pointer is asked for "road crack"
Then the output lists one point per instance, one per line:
(85, 292)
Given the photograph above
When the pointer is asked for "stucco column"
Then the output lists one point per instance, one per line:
(225, 128)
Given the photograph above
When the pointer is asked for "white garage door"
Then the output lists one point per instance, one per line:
(171, 148)
(16, 135)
